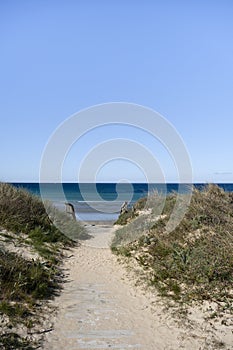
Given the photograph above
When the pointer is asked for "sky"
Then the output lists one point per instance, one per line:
(60, 57)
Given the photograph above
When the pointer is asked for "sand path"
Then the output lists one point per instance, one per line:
(100, 308)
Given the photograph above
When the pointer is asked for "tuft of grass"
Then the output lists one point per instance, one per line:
(125, 217)
(11, 340)
(23, 280)
(125, 251)
(14, 310)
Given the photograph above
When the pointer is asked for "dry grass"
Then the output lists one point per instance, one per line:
(24, 281)
(21, 211)
(194, 261)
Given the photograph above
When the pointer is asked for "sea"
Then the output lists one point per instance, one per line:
(102, 201)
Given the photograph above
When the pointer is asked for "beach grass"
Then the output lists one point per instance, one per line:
(23, 212)
(195, 260)
(27, 225)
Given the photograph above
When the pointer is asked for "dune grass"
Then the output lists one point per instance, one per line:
(25, 282)
(20, 211)
(195, 260)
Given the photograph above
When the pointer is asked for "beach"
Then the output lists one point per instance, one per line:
(100, 307)
(128, 285)
(116, 181)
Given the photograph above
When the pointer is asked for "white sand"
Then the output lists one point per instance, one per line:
(101, 308)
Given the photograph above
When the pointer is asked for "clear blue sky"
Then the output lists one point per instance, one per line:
(58, 57)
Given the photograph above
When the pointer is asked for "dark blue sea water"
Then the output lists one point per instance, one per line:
(102, 201)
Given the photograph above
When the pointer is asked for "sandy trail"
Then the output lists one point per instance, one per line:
(100, 308)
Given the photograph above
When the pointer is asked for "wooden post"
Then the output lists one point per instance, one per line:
(70, 210)
(124, 208)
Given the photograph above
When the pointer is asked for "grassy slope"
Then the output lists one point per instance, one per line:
(25, 282)
(195, 261)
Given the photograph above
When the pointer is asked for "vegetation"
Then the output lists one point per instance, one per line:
(26, 281)
(132, 212)
(195, 260)
(23, 284)
(22, 212)
(13, 341)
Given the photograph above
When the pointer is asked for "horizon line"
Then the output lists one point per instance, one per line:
(112, 182)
